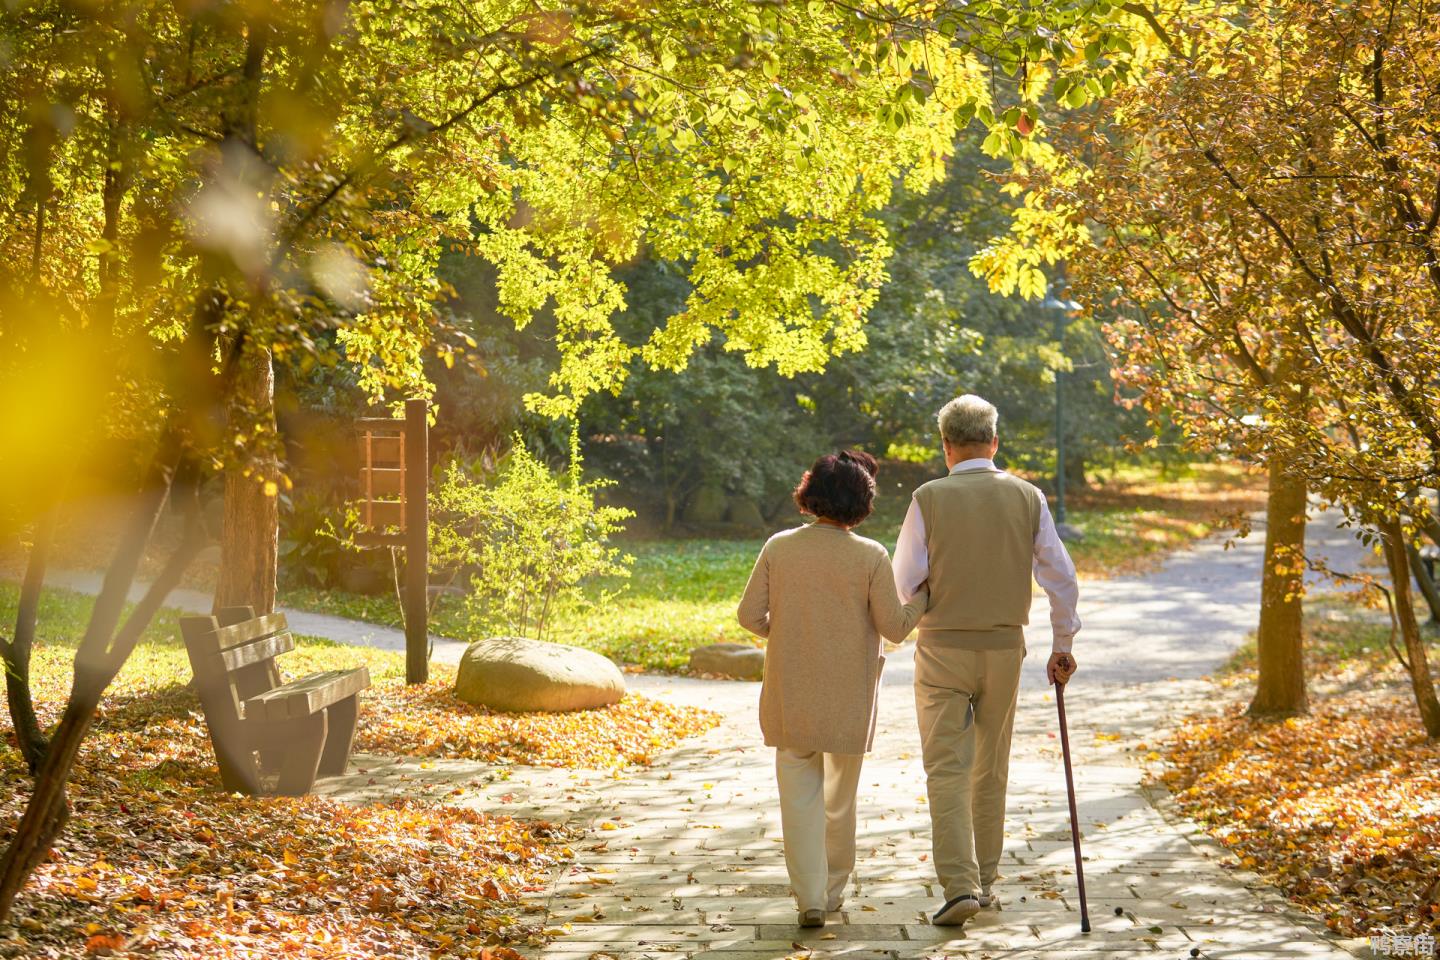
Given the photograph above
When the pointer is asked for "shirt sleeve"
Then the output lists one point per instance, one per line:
(912, 558)
(1055, 572)
(754, 611)
(893, 620)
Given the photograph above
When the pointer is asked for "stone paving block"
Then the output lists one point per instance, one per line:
(831, 932)
(652, 891)
(651, 914)
(817, 952)
(748, 910)
(890, 915)
(733, 890)
(658, 933)
(752, 950)
(899, 888)
(680, 946)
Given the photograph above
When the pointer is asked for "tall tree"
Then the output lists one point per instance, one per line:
(1284, 219)
(216, 184)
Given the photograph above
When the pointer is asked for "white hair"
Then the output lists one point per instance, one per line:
(968, 419)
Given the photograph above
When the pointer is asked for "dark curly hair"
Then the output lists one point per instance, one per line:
(839, 487)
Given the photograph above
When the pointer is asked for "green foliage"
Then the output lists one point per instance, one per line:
(311, 551)
(286, 177)
(680, 594)
(725, 425)
(526, 542)
(934, 332)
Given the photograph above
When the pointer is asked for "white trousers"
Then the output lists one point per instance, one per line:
(817, 815)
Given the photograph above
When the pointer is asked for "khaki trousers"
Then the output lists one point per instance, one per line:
(965, 703)
(817, 816)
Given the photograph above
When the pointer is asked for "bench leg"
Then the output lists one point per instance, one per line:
(304, 742)
(271, 759)
(341, 738)
(238, 772)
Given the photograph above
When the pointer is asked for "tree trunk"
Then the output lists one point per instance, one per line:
(107, 644)
(1075, 466)
(1427, 586)
(16, 653)
(1280, 689)
(102, 652)
(1421, 681)
(250, 536)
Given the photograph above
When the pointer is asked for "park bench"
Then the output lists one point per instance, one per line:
(258, 725)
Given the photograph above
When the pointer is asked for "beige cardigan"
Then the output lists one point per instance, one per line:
(823, 597)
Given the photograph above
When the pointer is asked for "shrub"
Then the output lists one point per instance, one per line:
(526, 541)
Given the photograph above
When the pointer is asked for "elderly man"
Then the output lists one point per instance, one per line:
(977, 535)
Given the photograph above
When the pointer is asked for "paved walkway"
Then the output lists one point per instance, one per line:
(685, 859)
(339, 629)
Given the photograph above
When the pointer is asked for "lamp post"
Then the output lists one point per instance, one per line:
(1061, 309)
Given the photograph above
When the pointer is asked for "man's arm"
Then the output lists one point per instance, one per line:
(1055, 572)
(912, 559)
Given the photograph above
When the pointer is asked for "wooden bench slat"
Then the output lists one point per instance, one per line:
(256, 724)
(300, 698)
(266, 648)
(228, 637)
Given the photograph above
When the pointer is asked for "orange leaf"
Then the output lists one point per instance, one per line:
(104, 943)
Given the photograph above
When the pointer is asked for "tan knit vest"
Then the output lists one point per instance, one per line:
(980, 528)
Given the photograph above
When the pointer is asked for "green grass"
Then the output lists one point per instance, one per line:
(154, 681)
(682, 593)
(148, 710)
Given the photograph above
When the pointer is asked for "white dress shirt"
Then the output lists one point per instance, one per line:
(1053, 568)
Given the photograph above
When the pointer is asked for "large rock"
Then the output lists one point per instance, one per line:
(738, 660)
(523, 676)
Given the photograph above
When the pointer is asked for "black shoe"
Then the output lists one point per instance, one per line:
(957, 911)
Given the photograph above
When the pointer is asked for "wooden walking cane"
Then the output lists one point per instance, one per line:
(1074, 819)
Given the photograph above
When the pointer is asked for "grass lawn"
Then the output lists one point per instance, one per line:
(1138, 516)
(1340, 808)
(682, 593)
(158, 860)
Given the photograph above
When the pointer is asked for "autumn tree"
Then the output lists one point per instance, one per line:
(204, 192)
(1264, 205)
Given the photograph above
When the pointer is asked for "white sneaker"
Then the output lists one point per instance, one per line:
(988, 900)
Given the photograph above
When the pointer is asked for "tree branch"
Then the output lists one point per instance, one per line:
(1148, 15)
(412, 135)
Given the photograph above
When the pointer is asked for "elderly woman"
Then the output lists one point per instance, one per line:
(823, 597)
